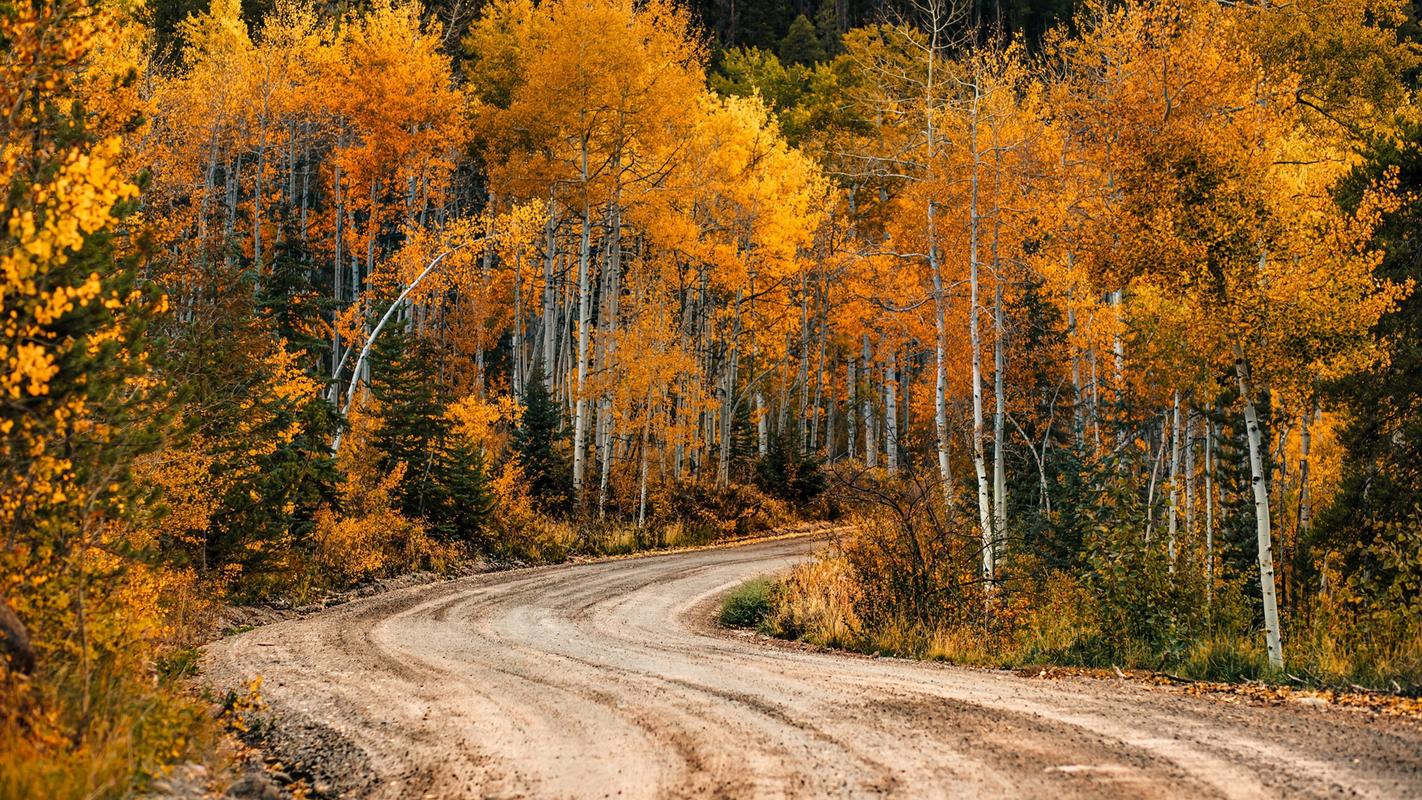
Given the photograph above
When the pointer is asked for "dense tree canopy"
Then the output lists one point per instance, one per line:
(299, 295)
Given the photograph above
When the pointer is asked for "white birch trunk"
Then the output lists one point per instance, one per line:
(1154, 475)
(871, 447)
(940, 365)
(1261, 516)
(985, 518)
(1189, 475)
(762, 426)
(580, 401)
(1209, 512)
(891, 414)
(550, 299)
(851, 393)
(1174, 479)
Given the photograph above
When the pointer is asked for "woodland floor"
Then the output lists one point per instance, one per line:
(610, 679)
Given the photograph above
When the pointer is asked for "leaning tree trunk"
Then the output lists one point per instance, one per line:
(1261, 516)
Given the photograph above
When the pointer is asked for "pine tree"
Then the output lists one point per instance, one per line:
(538, 443)
(290, 300)
(1382, 480)
(411, 423)
(827, 28)
(787, 472)
(801, 44)
(463, 502)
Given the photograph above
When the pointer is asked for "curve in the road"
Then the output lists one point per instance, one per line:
(607, 680)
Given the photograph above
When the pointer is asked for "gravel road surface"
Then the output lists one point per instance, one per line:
(609, 679)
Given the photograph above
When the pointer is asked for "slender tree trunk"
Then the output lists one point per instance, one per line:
(985, 516)
(818, 400)
(257, 190)
(550, 298)
(1261, 515)
(1078, 402)
(612, 290)
(1095, 400)
(851, 392)
(232, 179)
(1209, 512)
(305, 177)
(904, 374)
(1189, 475)
(940, 362)
(1154, 475)
(336, 269)
(803, 378)
(762, 426)
(374, 223)
(516, 334)
(871, 447)
(891, 414)
(999, 418)
(1279, 482)
(1118, 351)
(642, 471)
(1174, 478)
(1305, 517)
(728, 396)
(580, 401)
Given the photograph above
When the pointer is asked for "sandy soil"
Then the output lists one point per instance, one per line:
(608, 680)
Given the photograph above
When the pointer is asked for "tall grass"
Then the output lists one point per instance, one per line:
(60, 740)
(1060, 624)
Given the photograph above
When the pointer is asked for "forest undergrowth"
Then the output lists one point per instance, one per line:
(1123, 604)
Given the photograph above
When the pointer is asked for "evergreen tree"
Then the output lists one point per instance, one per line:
(463, 503)
(787, 472)
(271, 493)
(759, 24)
(292, 302)
(411, 423)
(1382, 468)
(827, 28)
(802, 44)
(538, 443)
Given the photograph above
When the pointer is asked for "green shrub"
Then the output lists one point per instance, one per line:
(786, 472)
(748, 605)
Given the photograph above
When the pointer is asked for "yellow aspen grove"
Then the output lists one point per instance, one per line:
(1045, 337)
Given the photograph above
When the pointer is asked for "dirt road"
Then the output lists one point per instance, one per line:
(608, 680)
